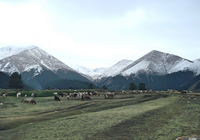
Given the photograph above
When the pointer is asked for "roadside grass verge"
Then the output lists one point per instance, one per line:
(135, 117)
(85, 123)
(14, 113)
(166, 123)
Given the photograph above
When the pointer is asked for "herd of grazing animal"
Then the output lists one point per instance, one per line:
(18, 94)
(80, 95)
(83, 95)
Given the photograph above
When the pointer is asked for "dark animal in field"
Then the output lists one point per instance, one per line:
(56, 98)
(75, 94)
(60, 94)
(4, 92)
(33, 101)
(183, 91)
(28, 100)
(85, 97)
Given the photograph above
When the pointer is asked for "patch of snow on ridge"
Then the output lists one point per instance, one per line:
(93, 73)
(45, 65)
(9, 68)
(38, 67)
(181, 66)
(133, 70)
(195, 67)
(115, 69)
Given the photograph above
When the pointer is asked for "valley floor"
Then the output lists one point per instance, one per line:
(134, 117)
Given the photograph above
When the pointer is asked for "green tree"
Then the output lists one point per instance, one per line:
(142, 86)
(91, 86)
(15, 81)
(132, 86)
(104, 87)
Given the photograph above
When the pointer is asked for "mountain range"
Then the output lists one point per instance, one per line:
(158, 70)
(38, 68)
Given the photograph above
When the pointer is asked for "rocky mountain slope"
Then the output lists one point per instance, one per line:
(158, 63)
(25, 59)
(32, 61)
(155, 62)
(157, 69)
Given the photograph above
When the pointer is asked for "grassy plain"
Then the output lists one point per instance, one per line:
(134, 117)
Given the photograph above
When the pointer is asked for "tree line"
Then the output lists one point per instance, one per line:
(133, 86)
(15, 81)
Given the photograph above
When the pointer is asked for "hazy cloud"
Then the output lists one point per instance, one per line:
(102, 32)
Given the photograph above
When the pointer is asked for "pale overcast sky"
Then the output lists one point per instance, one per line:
(99, 33)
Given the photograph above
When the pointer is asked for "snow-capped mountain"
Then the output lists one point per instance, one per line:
(195, 67)
(115, 69)
(89, 71)
(40, 69)
(155, 62)
(27, 58)
(37, 68)
(99, 73)
(159, 63)
(158, 70)
(91, 74)
(12, 50)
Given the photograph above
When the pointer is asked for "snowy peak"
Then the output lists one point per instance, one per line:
(89, 71)
(11, 50)
(115, 69)
(99, 73)
(92, 73)
(26, 58)
(156, 62)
